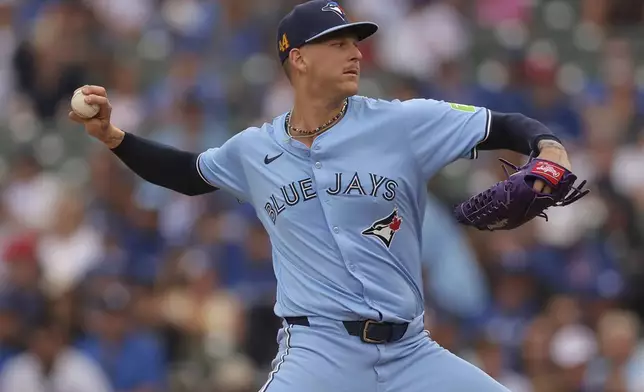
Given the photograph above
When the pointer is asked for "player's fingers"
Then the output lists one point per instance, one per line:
(538, 185)
(96, 99)
(94, 90)
(76, 118)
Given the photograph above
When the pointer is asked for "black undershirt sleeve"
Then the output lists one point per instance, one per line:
(162, 165)
(515, 132)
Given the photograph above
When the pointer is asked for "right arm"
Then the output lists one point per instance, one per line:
(184, 172)
(162, 165)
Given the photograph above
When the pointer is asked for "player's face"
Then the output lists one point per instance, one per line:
(334, 64)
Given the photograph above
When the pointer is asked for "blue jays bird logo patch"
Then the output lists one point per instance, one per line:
(335, 7)
(386, 228)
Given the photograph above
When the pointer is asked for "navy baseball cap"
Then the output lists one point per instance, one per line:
(313, 20)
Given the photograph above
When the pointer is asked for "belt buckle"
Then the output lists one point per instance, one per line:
(365, 338)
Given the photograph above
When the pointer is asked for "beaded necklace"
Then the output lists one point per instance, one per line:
(316, 131)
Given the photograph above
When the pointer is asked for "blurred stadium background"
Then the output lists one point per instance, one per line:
(127, 287)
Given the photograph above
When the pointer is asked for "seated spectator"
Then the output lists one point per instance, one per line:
(247, 267)
(548, 104)
(251, 277)
(24, 277)
(535, 354)
(10, 327)
(67, 312)
(493, 12)
(513, 305)
(587, 267)
(235, 374)
(613, 13)
(200, 309)
(50, 364)
(133, 361)
(571, 349)
(46, 65)
(204, 322)
(30, 192)
(70, 247)
(143, 245)
(621, 360)
(489, 357)
(614, 102)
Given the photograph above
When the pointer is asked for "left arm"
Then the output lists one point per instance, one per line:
(516, 132)
(442, 132)
(510, 203)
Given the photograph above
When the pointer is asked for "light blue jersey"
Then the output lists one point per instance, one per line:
(345, 216)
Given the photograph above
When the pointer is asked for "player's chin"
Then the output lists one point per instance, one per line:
(350, 84)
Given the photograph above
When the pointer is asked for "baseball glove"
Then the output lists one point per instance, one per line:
(513, 202)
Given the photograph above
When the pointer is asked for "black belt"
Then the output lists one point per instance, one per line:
(369, 331)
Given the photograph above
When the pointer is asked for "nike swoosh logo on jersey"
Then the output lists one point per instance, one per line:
(268, 160)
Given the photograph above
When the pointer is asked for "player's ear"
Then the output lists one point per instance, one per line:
(297, 60)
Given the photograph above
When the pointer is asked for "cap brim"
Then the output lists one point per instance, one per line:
(362, 30)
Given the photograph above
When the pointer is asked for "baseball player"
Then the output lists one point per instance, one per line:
(339, 184)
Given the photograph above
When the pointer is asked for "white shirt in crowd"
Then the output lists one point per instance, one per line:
(65, 260)
(72, 372)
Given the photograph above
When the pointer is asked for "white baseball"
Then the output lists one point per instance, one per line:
(82, 108)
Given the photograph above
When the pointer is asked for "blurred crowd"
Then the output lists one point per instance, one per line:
(111, 284)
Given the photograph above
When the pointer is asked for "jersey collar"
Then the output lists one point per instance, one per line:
(297, 147)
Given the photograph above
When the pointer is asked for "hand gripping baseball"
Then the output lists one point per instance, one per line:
(513, 202)
(99, 126)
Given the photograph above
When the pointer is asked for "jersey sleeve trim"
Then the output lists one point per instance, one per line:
(201, 174)
(474, 154)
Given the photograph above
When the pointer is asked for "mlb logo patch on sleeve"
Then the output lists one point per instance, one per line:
(462, 108)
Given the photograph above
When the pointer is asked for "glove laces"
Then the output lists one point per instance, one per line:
(485, 203)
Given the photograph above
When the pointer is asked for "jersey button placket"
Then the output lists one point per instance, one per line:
(318, 165)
